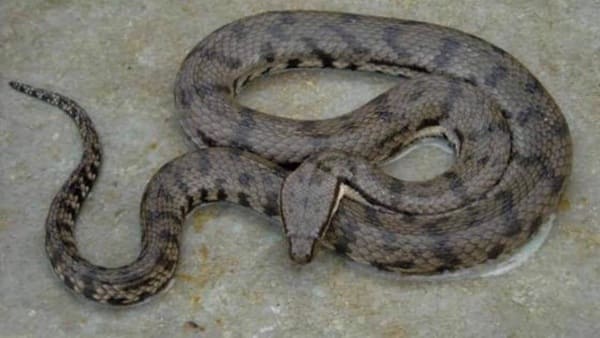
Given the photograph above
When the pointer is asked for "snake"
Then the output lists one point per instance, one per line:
(323, 179)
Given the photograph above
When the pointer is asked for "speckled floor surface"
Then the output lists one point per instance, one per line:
(119, 61)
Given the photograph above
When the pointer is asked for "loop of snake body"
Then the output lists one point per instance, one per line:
(321, 178)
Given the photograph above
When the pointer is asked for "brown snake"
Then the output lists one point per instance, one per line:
(512, 149)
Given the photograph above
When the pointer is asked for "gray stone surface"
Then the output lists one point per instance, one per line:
(119, 59)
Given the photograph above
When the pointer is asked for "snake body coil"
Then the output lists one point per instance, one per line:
(512, 147)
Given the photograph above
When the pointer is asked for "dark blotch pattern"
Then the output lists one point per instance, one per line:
(189, 203)
(434, 227)
(325, 57)
(495, 251)
(238, 30)
(308, 127)
(456, 183)
(287, 19)
(385, 115)
(245, 179)
(204, 166)
(380, 266)
(271, 208)
(428, 122)
(531, 112)
(221, 195)
(167, 236)
(372, 216)
(348, 38)
(390, 36)
(401, 264)
(164, 216)
(506, 114)
(243, 199)
(557, 183)
(203, 195)
(497, 49)
(447, 52)
(513, 227)
(483, 161)
(397, 186)
(352, 66)
(293, 63)
(415, 95)
(390, 242)
(533, 86)
(209, 142)
(505, 199)
(62, 226)
(341, 245)
(379, 62)
(498, 73)
(535, 225)
(443, 251)
(267, 52)
(247, 119)
(561, 130)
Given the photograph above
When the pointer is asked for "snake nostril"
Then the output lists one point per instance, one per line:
(302, 259)
(301, 249)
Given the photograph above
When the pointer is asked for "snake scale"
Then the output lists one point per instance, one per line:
(321, 178)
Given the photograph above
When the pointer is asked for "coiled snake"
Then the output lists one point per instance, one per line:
(512, 149)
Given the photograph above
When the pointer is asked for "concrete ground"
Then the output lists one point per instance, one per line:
(119, 59)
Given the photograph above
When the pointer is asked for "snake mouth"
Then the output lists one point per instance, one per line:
(301, 249)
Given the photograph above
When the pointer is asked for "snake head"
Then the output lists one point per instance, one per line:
(309, 198)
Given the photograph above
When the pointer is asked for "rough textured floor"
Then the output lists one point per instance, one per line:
(235, 279)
